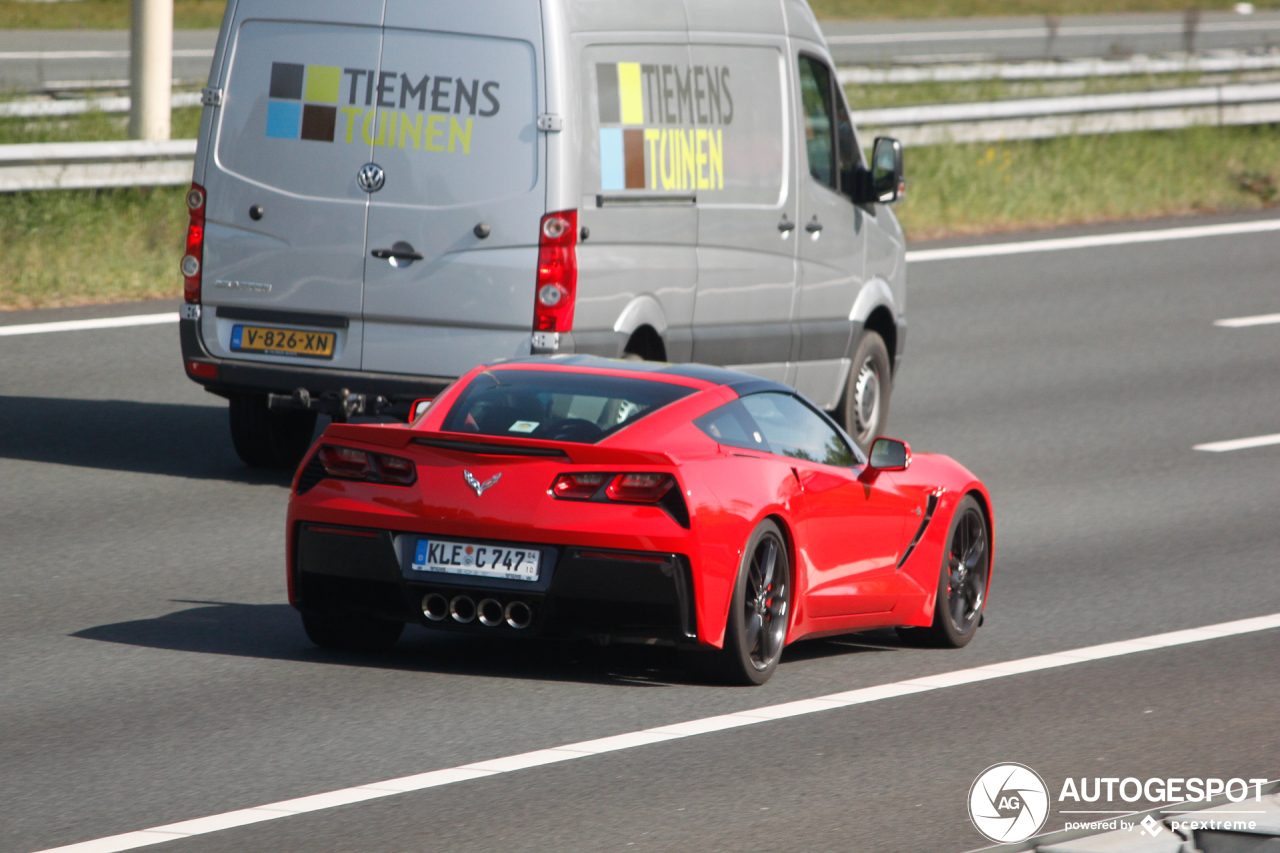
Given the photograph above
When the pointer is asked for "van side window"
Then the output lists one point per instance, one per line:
(819, 135)
(848, 155)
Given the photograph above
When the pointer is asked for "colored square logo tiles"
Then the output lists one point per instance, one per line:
(287, 116)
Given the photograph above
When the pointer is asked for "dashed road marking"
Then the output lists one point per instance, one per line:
(1239, 443)
(1242, 322)
(79, 325)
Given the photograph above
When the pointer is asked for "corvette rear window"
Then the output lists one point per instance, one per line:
(561, 406)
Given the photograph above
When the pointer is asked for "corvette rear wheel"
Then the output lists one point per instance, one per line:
(759, 613)
(962, 582)
(351, 632)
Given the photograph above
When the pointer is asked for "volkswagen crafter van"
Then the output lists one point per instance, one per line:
(389, 192)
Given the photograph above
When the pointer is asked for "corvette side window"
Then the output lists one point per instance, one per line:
(795, 430)
(733, 427)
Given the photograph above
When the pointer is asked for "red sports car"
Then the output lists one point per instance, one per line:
(637, 501)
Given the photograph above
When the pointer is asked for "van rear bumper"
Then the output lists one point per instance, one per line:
(234, 377)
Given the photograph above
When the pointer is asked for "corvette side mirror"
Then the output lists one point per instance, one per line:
(418, 407)
(889, 454)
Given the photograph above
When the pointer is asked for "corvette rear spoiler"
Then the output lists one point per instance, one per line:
(402, 436)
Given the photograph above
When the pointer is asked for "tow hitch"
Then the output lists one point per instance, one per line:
(340, 405)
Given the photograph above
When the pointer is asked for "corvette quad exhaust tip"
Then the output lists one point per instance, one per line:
(435, 607)
(518, 615)
(462, 609)
(491, 613)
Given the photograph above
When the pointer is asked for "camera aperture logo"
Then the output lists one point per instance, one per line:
(1008, 802)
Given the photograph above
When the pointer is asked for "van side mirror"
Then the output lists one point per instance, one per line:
(889, 454)
(888, 183)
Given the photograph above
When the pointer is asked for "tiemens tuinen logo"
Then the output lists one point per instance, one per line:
(381, 108)
(1008, 803)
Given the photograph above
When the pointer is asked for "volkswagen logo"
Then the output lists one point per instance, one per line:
(371, 177)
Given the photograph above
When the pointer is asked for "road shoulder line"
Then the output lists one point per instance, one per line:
(568, 752)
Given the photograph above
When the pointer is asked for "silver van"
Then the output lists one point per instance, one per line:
(389, 192)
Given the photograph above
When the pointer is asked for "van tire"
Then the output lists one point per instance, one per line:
(267, 439)
(868, 388)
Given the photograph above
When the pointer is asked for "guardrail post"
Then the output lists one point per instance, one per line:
(150, 69)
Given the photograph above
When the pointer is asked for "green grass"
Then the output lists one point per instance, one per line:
(81, 246)
(959, 189)
(90, 127)
(73, 247)
(207, 14)
(860, 9)
(102, 15)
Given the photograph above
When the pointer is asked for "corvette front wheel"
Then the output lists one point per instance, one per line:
(759, 612)
(962, 581)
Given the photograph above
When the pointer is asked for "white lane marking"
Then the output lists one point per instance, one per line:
(1041, 32)
(1241, 322)
(569, 752)
(1239, 443)
(1121, 239)
(79, 325)
(178, 53)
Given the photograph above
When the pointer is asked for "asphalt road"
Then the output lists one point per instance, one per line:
(31, 59)
(151, 671)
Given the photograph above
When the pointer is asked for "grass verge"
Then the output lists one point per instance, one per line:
(82, 246)
(207, 14)
(969, 189)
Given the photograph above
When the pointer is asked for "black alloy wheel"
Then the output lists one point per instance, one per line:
(759, 613)
(962, 582)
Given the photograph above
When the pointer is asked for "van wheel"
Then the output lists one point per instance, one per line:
(267, 439)
(864, 408)
(351, 633)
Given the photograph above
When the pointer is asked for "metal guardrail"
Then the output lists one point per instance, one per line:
(84, 165)
(1040, 118)
(1076, 69)
(79, 165)
(70, 107)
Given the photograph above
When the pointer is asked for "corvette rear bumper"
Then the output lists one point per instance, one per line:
(582, 592)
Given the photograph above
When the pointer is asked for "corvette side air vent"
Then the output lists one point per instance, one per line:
(924, 523)
(673, 503)
(312, 474)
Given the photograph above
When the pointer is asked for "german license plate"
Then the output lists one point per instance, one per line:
(471, 558)
(291, 342)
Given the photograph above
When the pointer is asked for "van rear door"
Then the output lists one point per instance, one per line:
(453, 123)
(287, 147)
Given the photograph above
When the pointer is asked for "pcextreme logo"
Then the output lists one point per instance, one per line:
(1008, 802)
(685, 151)
(384, 108)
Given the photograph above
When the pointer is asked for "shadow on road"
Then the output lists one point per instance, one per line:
(119, 435)
(274, 632)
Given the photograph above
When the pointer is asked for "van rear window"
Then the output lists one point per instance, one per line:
(560, 406)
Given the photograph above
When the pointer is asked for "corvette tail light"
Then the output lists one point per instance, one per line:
(193, 260)
(577, 486)
(352, 464)
(645, 488)
(557, 284)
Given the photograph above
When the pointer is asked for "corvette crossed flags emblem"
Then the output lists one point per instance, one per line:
(480, 488)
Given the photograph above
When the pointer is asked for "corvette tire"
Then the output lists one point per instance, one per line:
(351, 633)
(962, 582)
(864, 406)
(267, 439)
(758, 614)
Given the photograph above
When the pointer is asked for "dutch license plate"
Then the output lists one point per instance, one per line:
(292, 342)
(471, 558)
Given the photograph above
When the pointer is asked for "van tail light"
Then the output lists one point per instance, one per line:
(352, 464)
(557, 287)
(193, 260)
(644, 488)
